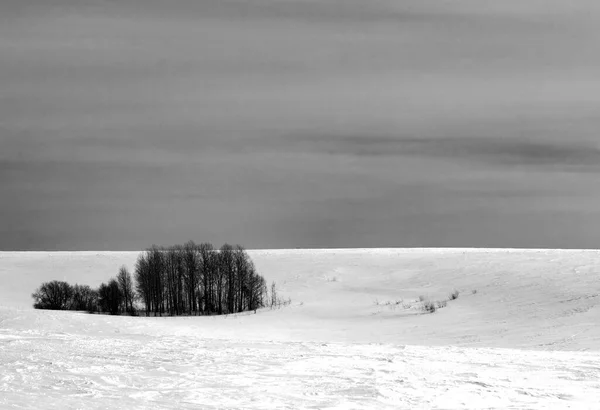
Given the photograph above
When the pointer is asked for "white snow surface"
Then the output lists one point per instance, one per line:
(354, 335)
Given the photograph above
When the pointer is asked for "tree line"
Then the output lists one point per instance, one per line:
(190, 279)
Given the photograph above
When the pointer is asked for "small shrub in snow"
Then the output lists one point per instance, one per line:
(474, 291)
(454, 295)
(277, 302)
(429, 306)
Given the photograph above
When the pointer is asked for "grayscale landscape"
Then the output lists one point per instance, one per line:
(419, 180)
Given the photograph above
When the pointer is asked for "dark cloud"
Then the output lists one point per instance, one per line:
(503, 151)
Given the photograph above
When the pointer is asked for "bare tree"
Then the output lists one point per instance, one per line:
(208, 274)
(143, 281)
(274, 298)
(226, 279)
(191, 269)
(156, 266)
(257, 289)
(171, 262)
(126, 287)
(243, 267)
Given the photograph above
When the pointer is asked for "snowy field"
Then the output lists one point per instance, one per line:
(522, 334)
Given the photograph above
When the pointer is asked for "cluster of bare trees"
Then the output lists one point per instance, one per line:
(185, 279)
(117, 296)
(196, 279)
(113, 297)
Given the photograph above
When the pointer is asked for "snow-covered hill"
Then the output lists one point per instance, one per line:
(523, 333)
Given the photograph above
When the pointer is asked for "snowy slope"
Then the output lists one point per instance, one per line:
(354, 336)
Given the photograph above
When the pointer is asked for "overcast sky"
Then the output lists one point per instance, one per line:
(299, 123)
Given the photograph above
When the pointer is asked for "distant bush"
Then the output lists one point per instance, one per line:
(454, 295)
(53, 295)
(110, 297)
(429, 306)
(423, 303)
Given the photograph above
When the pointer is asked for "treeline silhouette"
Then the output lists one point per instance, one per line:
(188, 279)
